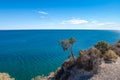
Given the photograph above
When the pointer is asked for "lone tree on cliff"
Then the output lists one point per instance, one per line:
(67, 44)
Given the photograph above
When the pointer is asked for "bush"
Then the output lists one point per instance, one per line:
(94, 52)
(82, 52)
(89, 59)
(116, 48)
(110, 55)
(83, 62)
(102, 46)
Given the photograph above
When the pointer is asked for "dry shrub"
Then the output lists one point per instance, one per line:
(110, 55)
(89, 59)
(116, 48)
(82, 61)
(94, 52)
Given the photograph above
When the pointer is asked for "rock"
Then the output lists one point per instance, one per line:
(51, 76)
(64, 72)
(68, 64)
(59, 73)
(5, 76)
(108, 72)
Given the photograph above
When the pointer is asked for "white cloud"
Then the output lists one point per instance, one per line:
(74, 21)
(43, 12)
(101, 23)
(88, 24)
(106, 23)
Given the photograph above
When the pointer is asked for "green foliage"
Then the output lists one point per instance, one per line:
(65, 44)
(110, 55)
(102, 46)
(72, 40)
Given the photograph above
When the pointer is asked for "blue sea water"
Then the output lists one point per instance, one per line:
(27, 53)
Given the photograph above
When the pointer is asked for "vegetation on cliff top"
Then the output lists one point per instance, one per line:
(88, 60)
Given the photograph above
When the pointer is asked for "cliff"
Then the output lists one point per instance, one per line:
(101, 62)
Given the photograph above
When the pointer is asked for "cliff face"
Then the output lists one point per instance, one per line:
(108, 71)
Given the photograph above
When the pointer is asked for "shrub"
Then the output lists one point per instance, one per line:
(110, 55)
(82, 52)
(116, 48)
(82, 61)
(94, 52)
(89, 59)
(102, 46)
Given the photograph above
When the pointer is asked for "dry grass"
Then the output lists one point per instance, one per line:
(110, 55)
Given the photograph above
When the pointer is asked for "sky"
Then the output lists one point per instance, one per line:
(59, 14)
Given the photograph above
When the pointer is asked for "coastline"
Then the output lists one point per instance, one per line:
(103, 70)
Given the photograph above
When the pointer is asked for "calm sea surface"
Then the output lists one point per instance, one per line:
(27, 53)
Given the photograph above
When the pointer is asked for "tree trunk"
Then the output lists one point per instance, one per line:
(71, 52)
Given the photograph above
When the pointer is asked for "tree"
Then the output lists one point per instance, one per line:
(102, 46)
(67, 45)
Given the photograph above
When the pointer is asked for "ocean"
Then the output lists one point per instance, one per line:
(27, 53)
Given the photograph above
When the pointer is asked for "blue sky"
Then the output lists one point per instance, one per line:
(59, 14)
